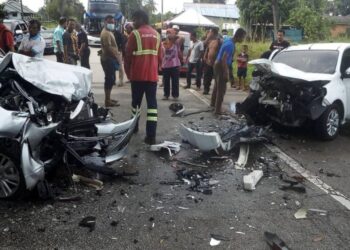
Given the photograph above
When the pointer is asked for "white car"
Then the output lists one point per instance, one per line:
(302, 84)
(94, 41)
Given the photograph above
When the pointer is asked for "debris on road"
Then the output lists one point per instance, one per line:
(69, 198)
(297, 188)
(191, 164)
(243, 156)
(224, 141)
(275, 242)
(301, 214)
(214, 242)
(318, 238)
(199, 181)
(89, 222)
(252, 179)
(179, 110)
(97, 184)
(171, 147)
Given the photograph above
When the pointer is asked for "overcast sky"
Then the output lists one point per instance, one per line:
(169, 5)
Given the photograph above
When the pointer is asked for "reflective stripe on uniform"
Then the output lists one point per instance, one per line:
(152, 118)
(140, 51)
(152, 115)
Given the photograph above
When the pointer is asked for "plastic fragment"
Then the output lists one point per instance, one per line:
(252, 179)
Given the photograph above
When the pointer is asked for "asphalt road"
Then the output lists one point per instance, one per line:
(141, 213)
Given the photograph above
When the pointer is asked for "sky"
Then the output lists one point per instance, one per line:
(175, 6)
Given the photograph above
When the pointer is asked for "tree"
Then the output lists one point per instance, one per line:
(57, 8)
(129, 6)
(308, 16)
(338, 7)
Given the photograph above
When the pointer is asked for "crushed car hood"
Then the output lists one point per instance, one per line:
(71, 82)
(282, 70)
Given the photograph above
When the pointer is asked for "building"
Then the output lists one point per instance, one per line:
(226, 16)
(340, 25)
(13, 10)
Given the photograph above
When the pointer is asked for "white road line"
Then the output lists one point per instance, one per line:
(336, 195)
(199, 96)
(342, 199)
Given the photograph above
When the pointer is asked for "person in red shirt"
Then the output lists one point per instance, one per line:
(6, 37)
(242, 65)
(142, 60)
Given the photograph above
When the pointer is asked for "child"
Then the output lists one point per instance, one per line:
(242, 64)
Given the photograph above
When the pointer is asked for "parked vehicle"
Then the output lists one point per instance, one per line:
(48, 37)
(95, 15)
(50, 120)
(18, 28)
(301, 84)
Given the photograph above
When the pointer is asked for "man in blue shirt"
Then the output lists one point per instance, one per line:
(58, 39)
(221, 69)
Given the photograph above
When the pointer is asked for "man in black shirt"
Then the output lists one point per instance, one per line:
(83, 46)
(280, 43)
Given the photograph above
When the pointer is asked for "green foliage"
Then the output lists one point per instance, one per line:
(338, 7)
(129, 6)
(308, 17)
(54, 9)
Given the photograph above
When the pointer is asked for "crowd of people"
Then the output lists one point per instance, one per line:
(142, 52)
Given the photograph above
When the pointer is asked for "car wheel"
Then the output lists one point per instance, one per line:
(327, 126)
(11, 178)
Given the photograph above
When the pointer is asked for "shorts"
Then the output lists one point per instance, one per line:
(242, 72)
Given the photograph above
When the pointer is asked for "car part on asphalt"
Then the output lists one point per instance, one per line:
(171, 147)
(297, 188)
(250, 180)
(243, 156)
(301, 214)
(275, 242)
(97, 184)
(49, 120)
(213, 141)
(89, 222)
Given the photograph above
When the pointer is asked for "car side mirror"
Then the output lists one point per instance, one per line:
(346, 74)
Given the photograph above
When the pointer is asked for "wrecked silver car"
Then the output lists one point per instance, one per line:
(302, 84)
(49, 118)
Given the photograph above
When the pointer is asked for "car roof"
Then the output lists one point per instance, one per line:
(319, 46)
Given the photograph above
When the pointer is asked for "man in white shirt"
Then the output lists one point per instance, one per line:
(33, 44)
(194, 59)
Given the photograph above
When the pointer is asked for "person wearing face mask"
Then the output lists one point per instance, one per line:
(33, 44)
(110, 59)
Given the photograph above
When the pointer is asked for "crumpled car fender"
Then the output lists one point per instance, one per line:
(33, 170)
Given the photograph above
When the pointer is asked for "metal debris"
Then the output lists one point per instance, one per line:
(97, 184)
(275, 242)
(301, 214)
(89, 222)
(243, 156)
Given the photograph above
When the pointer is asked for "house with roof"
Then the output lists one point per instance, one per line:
(13, 10)
(226, 16)
(340, 25)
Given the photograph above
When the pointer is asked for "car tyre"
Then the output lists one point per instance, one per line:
(328, 125)
(12, 184)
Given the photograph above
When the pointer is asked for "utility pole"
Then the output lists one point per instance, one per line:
(161, 14)
(276, 17)
(22, 10)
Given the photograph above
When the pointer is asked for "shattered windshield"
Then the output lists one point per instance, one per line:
(310, 61)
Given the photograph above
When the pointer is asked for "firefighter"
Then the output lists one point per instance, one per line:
(142, 60)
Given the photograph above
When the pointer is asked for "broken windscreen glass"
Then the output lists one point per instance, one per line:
(310, 61)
